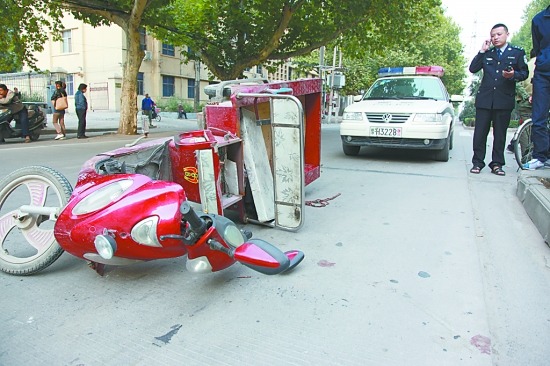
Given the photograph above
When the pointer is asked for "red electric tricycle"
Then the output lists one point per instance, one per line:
(256, 147)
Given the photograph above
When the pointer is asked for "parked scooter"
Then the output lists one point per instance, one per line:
(37, 121)
(123, 210)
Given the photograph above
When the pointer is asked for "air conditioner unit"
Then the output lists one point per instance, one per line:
(148, 56)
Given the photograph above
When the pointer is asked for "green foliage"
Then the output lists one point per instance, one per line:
(231, 36)
(468, 112)
(436, 44)
(171, 105)
(523, 37)
(33, 97)
(23, 32)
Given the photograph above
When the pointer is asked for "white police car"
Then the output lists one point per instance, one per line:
(406, 107)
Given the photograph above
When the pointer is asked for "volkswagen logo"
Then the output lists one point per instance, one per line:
(386, 117)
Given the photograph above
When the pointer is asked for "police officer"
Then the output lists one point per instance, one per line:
(503, 65)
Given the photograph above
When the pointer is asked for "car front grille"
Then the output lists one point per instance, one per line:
(388, 117)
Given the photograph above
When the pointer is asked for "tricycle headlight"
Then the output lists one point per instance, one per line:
(233, 236)
(145, 232)
(428, 117)
(102, 197)
(354, 116)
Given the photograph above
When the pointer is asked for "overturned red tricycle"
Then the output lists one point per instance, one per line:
(257, 146)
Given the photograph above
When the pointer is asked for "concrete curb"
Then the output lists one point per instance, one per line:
(535, 198)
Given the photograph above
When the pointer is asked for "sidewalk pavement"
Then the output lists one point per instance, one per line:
(533, 187)
(105, 122)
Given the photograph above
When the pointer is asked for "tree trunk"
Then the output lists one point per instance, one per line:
(128, 98)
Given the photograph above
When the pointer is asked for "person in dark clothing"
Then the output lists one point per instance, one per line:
(503, 66)
(9, 100)
(540, 33)
(81, 106)
(58, 117)
(181, 112)
(147, 106)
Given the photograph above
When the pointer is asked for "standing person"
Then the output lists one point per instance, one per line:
(181, 112)
(9, 100)
(81, 106)
(540, 33)
(147, 105)
(58, 118)
(503, 65)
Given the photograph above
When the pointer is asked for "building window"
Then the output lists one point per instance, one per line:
(140, 84)
(70, 84)
(142, 39)
(168, 86)
(168, 50)
(259, 69)
(191, 88)
(66, 42)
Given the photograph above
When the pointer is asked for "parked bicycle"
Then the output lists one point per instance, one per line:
(523, 144)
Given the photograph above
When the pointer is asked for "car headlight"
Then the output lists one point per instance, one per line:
(428, 117)
(102, 197)
(354, 116)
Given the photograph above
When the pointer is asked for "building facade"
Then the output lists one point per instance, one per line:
(96, 55)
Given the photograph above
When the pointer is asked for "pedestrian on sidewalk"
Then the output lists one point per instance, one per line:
(81, 107)
(147, 106)
(59, 103)
(181, 112)
(540, 33)
(503, 65)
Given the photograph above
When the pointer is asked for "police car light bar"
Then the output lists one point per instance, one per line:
(414, 70)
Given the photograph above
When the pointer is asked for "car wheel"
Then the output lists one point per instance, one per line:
(451, 144)
(351, 150)
(443, 154)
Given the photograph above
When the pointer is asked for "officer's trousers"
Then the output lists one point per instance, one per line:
(541, 106)
(500, 119)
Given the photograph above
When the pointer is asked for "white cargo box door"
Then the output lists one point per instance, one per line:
(288, 161)
(257, 166)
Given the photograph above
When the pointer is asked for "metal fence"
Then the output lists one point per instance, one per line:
(34, 87)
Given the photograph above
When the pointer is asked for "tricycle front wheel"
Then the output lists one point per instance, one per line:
(30, 200)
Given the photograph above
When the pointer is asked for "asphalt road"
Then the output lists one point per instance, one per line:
(417, 262)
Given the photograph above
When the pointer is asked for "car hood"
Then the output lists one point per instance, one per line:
(398, 106)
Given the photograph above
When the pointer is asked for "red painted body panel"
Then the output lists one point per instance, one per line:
(143, 199)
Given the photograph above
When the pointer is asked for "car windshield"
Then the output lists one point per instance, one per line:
(406, 88)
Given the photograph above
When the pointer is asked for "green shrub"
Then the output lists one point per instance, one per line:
(470, 121)
(171, 105)
(34, 97)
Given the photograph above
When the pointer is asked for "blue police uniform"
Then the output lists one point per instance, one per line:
(540, 32)
(495, 99)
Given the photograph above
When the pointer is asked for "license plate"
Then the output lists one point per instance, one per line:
(385, 131)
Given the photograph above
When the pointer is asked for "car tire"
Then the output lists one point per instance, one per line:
(443, 154)
(351, 150)
(451, 143)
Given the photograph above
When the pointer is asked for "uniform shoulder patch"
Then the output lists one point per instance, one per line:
(518, 48)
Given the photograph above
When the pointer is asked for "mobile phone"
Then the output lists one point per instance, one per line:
(509, 68)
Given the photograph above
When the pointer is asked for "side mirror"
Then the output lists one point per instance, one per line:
(457, 98)
(357, 98)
